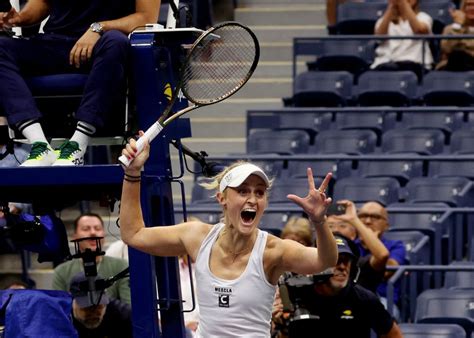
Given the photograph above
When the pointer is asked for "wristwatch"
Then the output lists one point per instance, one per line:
(97, 27)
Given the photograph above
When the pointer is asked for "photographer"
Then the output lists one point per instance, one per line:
(342, 217)
(333, 306)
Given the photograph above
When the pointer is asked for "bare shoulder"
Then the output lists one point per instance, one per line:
(194, 233)
(273, 249)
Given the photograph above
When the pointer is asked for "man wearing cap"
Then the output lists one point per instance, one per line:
(94, 314)
(237, 265)
(91, 225)
(338, 308)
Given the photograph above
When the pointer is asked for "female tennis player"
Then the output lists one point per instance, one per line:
(237, 265)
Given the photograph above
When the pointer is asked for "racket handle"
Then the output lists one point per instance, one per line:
(149, 135)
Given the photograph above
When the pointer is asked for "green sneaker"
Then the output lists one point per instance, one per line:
(41, 155)
(70, 154)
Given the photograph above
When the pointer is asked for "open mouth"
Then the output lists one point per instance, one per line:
(248, 215)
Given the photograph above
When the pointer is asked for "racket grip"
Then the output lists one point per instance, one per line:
(149, 135)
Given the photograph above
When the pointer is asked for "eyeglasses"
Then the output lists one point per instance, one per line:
(375, 217)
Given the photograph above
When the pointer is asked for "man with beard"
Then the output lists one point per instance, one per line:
(338, 308)
(95, 316)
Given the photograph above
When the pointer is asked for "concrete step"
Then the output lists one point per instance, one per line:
(270, 69)
(276, 51)
(277, 14)
(266, 88)
(288, 32)
(218, 127)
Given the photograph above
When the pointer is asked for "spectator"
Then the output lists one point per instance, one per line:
(299, 230)
(91, 225)
(98, 317)
(372, 264)
(458, 55)
(237, 264)
(375, 217)
(79, 36)
(403, 18)
(338, 308)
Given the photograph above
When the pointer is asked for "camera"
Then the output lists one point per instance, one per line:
(336, 209)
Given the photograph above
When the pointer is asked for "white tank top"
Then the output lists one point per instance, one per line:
(234, 308)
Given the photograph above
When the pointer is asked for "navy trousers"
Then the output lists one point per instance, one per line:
(46, 54)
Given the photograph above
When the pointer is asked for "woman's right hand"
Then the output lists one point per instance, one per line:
(138, 159)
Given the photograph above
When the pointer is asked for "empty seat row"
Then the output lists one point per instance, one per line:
(381, 88)
(360, 141)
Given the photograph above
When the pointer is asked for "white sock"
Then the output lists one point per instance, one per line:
(83, 133)
(33, 131)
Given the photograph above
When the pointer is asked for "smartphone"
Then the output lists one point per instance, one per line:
(336, 209)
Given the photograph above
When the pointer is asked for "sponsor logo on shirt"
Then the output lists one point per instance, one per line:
(347, 314)
(223, 296)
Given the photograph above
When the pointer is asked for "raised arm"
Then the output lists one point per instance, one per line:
(417, 26)
(381, 27)
(174, 240)
(379, 253)
(300, 259)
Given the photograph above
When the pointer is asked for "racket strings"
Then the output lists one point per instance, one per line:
(220, 64)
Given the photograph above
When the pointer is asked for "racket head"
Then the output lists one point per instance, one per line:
(219, 63)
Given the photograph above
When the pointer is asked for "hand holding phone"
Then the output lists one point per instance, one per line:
(336, 209)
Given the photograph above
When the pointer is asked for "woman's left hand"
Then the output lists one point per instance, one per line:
(316, 202)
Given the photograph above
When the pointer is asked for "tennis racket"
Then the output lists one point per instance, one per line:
(218, 64)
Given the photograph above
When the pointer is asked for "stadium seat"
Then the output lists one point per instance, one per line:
(402, 170)
(358, 17)
(446, 121)
(451, 168)
(206, 217)
(383, 189)
(411, 330)
(378, 121)
(200, 195)
(278, 141)
(338, 168)
(387, 88)
(442, 88)
(345, 142)
(423, 142)
(417, 245)
(439, 10)
(433, 224)
(273, 222)
(462, 142)
(282, 187)
(459, 279)
(446, 306)
(455, 191)
(322, 89)
(354, 56)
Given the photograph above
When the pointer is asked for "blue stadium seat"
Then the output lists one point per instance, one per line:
(446, 306)
(206, 217)
(454, 191)
(354, 56)
(200, 195)
(278, 141)
(338, 168)
(423, 142)
(311, 122)
(451, 168)
(382, 189)
(446, 121)
(282, 187)
(417, 245)
(378, 121)
(439, 10)
(387, 88)
(462, 142)
(436, 225)
(358, 17)
(432, 330)
(273, 222)
(345, 142)
(402, 170)
(322, 89)
(442, 88)
(459, 279)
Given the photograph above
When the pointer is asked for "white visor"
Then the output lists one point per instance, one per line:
(238, 175)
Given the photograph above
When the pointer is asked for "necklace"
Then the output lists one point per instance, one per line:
(235, 254)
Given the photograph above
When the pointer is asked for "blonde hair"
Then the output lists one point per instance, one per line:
(300, 227)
